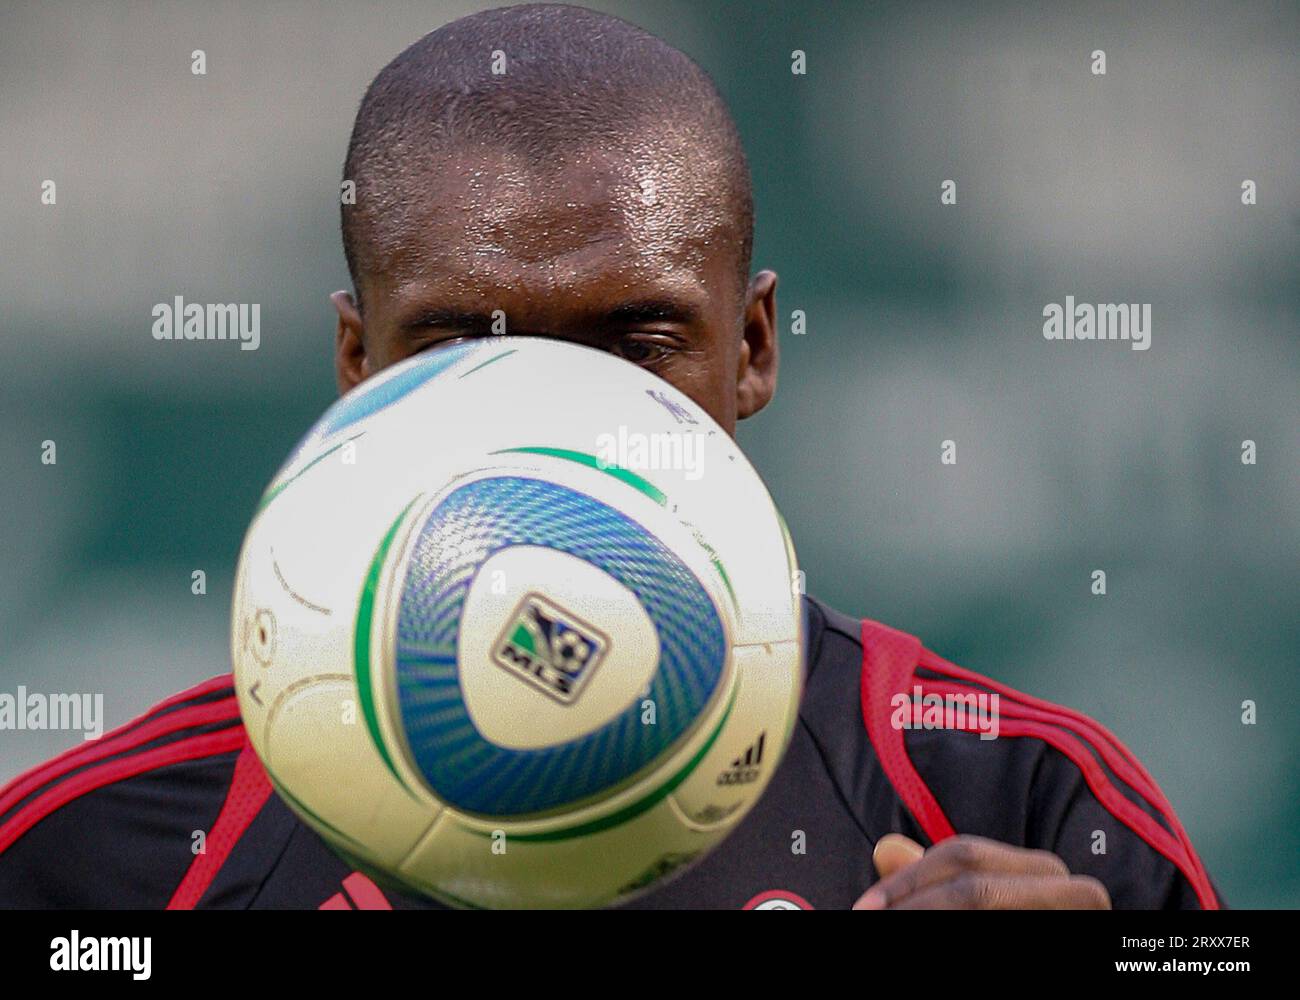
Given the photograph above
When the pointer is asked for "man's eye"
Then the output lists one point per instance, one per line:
(446, 341)
(642, 352)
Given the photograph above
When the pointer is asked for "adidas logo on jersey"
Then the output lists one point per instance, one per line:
(745, 768)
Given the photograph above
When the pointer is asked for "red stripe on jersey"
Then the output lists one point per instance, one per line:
(939, 665)
(1180, 855)
(122, 736)
(111, 745)
(888, 662)
(1097, 735)
(1117, 762)
(1111, 798)
(191, 748)
(249, 790)
(889, 659)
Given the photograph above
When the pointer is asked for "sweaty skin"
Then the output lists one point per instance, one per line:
(622, 260)
(625, 250)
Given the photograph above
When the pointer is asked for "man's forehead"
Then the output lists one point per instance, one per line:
(475, 213)
(531, 295)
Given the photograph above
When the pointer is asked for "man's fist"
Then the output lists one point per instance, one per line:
(972, 873)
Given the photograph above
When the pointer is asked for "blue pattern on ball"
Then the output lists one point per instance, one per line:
(472, 523)
(372, 396)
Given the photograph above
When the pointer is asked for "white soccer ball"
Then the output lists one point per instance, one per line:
(516, 626)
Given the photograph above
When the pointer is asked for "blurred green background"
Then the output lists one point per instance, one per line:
(924, 324)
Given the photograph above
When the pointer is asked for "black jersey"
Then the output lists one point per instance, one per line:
(890, 738)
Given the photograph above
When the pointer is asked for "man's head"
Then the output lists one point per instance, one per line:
(572, 172)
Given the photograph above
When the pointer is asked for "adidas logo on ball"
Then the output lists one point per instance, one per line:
(744, 768)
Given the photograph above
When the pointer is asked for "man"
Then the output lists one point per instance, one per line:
(584, 179)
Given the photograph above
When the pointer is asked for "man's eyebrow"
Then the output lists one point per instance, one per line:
(625, 314)
(447, 319)
(650, 310)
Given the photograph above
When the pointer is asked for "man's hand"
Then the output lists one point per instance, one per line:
(972, 873)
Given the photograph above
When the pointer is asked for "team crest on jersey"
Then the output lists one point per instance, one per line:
(551, 648)
(778, 899)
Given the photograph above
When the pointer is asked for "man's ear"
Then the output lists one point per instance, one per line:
(756, 374)
(351, 366)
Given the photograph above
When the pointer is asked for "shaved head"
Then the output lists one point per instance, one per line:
(550, 171)
(538, 92)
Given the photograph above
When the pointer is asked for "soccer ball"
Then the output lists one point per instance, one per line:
(516, 626)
